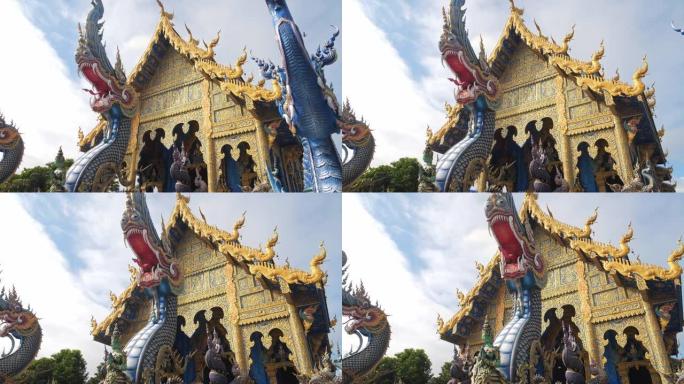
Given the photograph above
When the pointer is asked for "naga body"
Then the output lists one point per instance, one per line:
(21, 327)
(522, 268)
(476, 90)
(160, 277)
(365, 321)
(310, 108)
(111, 97)
(11, 148)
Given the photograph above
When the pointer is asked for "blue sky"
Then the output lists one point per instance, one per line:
(65, 253)
(393, 75)
(42, 91)
(413, 251)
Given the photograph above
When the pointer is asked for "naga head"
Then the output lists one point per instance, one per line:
(472, 73)
(516, 244)
(151, 256)
(355, 132)
(109, 86)
(9, 135)
(15, 320)
(279, 10)
(363, 316)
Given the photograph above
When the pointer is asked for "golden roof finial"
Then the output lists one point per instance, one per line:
(598, 55)
(80, 134)
(212, 44)
(191, 39)
(93, 323)
(616, 78)
(164, 14)
(567, 39)
(515, 9)
(536, 25)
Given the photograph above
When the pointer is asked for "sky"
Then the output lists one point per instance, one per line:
(42, 91)
(393, 76)
(414, 251)
(64, 253)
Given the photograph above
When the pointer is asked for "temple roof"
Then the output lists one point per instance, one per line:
(613, 260)
(229, 78)
(586, 74)
(258, 261)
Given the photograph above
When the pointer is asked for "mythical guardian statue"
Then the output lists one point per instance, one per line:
(115, 361)
(113, 98)
(574, 373)
(159, 275)
(311, 109)
(11, 148)
(522, 267)
(365, 321)
(476, 90)
(20, 325)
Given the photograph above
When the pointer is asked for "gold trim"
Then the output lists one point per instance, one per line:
(293, 276)
(119, 306)
(554, 226)
(588, 246)
(648, 271)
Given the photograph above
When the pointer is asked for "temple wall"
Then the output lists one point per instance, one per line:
(531, 90)
(249, 306)
(176, 94)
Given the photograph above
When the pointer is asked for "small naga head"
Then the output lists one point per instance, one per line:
(472, 73)
(15, 320)
(364, 317)
(153, 260)
(9, 135)
(355, 133)
(516, 244)
(109, 87)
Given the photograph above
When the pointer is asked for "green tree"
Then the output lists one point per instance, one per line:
(444, 375)
(38, 372)
(70, 367)
(99, 375)
(385, 372)
(400, 176)
(64, 367)
(414, 366)
(35, 179)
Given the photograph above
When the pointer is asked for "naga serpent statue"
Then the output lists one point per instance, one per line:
(523, 270)
(11, 148)
(23, 330)
(214, 358)
(476, 90)
(574, 373)
(365, 321)
(113, 98)
(159, 276)
(310, 108)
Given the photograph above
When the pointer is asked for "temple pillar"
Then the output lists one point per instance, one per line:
(133, 149)
(304, 365)
(626, 170)
(262, 151)
(658, 352)
(566, 150)
(590, 341)
(237, 337)
(212, 173)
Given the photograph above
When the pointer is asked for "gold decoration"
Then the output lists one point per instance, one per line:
(293, 276)
(615, 87)
(554, 226)
(650, 272)
(588, 246)
(118, 310)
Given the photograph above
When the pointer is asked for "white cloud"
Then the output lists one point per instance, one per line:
(46, 105)
(376, 260)
(380, 87)
(33, 263)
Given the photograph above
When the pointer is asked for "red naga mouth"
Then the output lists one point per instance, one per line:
(465, 77)
(147, 257)
(510, 246)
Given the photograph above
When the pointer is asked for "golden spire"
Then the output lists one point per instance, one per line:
(191, 39)
(515, 9)
(164, 14)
